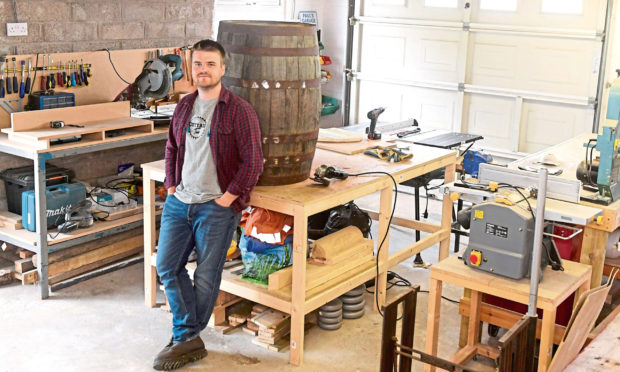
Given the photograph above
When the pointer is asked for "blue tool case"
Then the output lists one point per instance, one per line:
(59, 198)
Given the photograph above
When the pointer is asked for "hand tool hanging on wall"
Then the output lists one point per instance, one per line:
(73, 82)
(78, 78)
(64, 74)
(48, 81)
(69, 75)
(84, 76)
(27, 89)
(8, 78)
(42, 86)
(61, 82)
(15, 89)
(22, 85)
(53, 75)
(1, 80)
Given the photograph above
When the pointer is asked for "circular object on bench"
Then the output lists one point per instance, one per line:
(356, 291)
(330, 314)
(353, 300)
(353, 314)
(353, 307)
(331, 320)
(330, 327)
(333, 305)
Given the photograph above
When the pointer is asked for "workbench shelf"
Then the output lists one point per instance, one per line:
(38, 241)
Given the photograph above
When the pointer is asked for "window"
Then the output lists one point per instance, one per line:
(440, 3)
(562, 6)
(501, 5)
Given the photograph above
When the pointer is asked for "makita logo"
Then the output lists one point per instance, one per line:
(58, 211)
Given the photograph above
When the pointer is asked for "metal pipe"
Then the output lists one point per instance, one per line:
(539, 225)
(602, 67)
(348, 65)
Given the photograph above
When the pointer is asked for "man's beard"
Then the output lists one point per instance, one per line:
(208, 86)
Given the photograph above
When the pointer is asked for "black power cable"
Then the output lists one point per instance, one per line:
(114, 67)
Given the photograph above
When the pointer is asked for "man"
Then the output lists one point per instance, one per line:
(213, 160)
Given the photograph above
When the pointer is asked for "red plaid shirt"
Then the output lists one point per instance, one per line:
(235, 142)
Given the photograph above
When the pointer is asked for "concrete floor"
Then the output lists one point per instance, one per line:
(103, 325)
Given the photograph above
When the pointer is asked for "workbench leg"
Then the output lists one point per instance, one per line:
(298, 294)
(41, 223)
(150, 273)
(432, 325)
(593, 252)
(385, 210)
(474, 318)
(582, 288)
(446, 213)
(546, 339)
(464, 322)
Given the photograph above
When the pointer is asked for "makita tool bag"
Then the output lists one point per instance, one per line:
(59, 199)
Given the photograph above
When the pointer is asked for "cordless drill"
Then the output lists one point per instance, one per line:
(373, 115)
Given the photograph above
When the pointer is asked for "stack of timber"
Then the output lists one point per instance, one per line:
(73, 261)
(332, 256)
(274, 328)
(10, 220)
(251, 327)
(16, 263)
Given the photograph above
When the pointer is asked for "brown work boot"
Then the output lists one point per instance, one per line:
(174, 356)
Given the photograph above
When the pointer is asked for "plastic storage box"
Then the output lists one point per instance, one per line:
(59, 199)
(38, 101)
(18, 180)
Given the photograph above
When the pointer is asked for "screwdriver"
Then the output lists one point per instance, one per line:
(22, 86)
(84, 76)
(61, 83)
(43, 75)
(1, 80)
(48, 80)
(69, 76)
(14, 77)
(64, 74)
(27, 89)
(8, 79)
(73, 82)
(53, 78)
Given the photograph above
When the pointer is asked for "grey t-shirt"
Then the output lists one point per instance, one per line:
(199, 176)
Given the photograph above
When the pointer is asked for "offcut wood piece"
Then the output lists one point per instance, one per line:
(336, 243)
(10, 220)
(316, 274)
(582, 320)
(281, 344)
(363, 248)
(354, 147)
(119, 214)
(24, 253)
(240, 312)
(29, 277)
(339, 135)
(6, 277)
(23, 265)
(271, 318)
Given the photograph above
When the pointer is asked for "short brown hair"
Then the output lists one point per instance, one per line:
(210, 45)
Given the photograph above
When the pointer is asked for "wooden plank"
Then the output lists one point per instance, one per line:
(29, 277)
(366, 249)
(352, 148)
(119, 214)
(316, 274)
(338, 135)
(23, 265)
(23, 253)
(270, 318)
(239, 312)
(40, 119)
(593, 252)
(337, 243)
(6, 277)
(11, 221)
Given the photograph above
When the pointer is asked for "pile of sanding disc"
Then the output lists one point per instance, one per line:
(348, 306)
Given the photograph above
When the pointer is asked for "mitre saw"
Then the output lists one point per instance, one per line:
(155, 80)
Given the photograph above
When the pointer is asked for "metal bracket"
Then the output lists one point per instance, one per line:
(350, 74)
(353, 21)
(11, 105)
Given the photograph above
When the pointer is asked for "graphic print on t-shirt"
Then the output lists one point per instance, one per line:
(197, 126)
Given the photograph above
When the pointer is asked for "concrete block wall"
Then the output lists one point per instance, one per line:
(56, 26)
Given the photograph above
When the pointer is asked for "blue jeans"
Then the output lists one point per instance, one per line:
(209, 227)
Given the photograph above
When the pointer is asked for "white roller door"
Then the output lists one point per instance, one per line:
(522, 73)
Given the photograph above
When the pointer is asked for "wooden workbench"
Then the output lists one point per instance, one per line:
(304, 199)
(595, 236)
(554, 288)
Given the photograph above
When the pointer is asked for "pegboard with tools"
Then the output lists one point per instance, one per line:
(103, 74)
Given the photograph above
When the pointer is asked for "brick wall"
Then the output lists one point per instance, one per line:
(83, 25)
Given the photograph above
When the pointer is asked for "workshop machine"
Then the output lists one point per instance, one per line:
(605, 169)
(503, 216)
(153, 82)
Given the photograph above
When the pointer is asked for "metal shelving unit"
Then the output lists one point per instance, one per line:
(40, 243)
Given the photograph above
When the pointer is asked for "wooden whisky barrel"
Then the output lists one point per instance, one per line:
(275, 67)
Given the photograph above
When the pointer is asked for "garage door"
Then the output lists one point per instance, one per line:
(524, 73)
